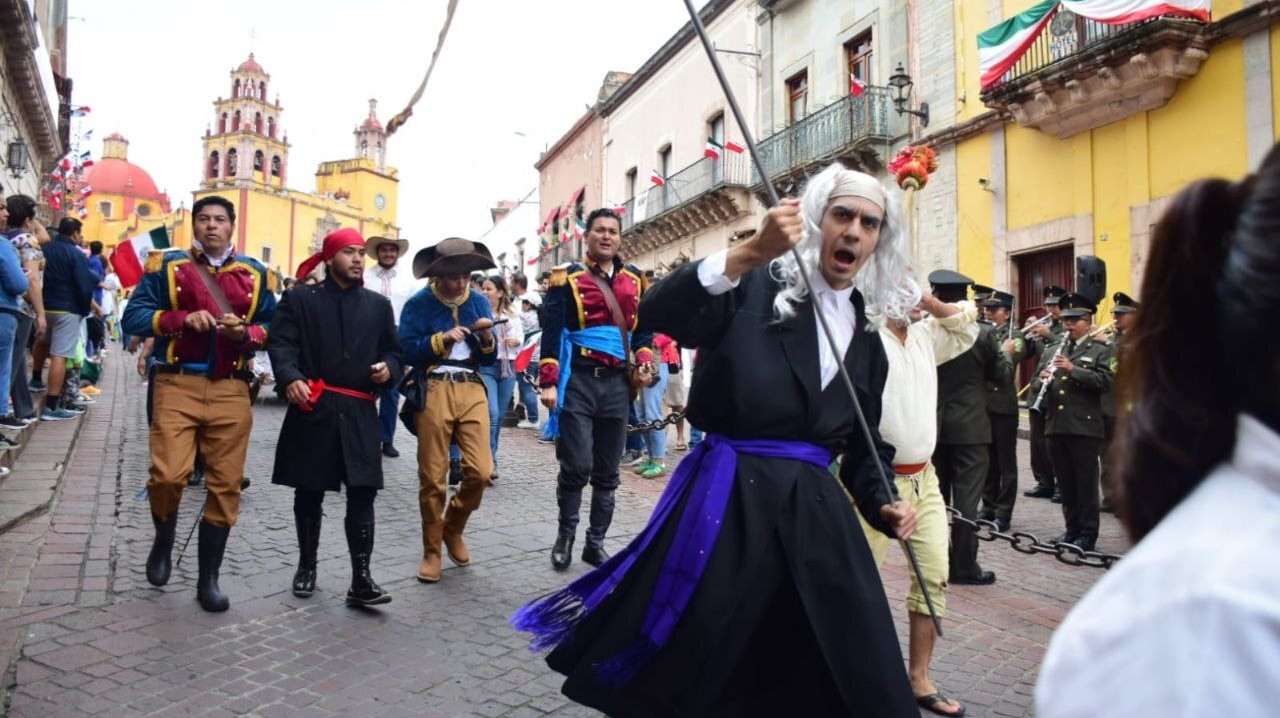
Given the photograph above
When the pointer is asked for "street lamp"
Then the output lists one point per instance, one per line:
(901, 83)
(16, 158)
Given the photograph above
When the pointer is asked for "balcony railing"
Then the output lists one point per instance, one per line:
(687, 185)
(1068, 35)
(828, 132)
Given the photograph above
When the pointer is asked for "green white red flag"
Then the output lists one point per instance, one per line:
(131, 255)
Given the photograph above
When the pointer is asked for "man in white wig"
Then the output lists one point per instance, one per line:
(752, 591)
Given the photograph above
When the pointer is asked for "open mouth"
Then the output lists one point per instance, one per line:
(844, 259)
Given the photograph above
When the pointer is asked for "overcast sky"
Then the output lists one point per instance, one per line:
(151, 69)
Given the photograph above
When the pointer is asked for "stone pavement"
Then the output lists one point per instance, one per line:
(86, 635)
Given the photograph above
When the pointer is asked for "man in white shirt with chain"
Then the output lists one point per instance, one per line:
(387, 251)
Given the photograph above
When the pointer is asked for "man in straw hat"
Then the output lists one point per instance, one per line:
(334, 348)
(446, 331)
(381, 279)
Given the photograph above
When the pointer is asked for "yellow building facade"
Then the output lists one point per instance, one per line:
(246, 160)
(123, 200)
(1078, 149)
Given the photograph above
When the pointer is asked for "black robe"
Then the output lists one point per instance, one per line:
(325, 332)
(790, 617)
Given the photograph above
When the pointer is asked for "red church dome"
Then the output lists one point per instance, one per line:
(250, 65)
(121, 177)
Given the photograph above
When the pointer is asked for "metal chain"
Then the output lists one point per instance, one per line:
(662, 423)
(1027, 543)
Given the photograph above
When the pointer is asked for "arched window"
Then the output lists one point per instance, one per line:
(222, 123)
(262, 91)
(212, 172)
(258, 160)
(235, 121)
(257, 122)
(143, 210)
(231, 163)
(235, 89)
(271, 127)
(275, 166)
(364, 148)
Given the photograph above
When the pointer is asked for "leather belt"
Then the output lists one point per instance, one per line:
(179, 369)
(598, 371)
(909, 469)
(456, 377)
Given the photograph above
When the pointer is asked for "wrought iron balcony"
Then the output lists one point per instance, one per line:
(686, 188)
(1080, 74)
(840, 129)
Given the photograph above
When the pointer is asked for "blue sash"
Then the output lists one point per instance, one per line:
(604, 338)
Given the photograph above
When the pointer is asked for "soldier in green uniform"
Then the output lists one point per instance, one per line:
(1001, 490)
(1071, 404)
(1043, 337)
(1124, 312)
(964, 431)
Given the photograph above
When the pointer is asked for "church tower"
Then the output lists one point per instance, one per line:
(248, 146)
(371, 139)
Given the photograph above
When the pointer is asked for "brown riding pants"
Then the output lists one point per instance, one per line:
(456, 412)
(213, 414)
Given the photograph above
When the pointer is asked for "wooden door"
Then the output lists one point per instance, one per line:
(1035, 272)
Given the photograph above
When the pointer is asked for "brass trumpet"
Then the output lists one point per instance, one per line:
(1108, 329)
(1026, 331)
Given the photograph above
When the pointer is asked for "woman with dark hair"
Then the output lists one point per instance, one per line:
(500, 377)
(1188, 624)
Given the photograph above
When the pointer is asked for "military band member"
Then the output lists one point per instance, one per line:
(1001, 490)
(447, 328)
(1072, 408)
(1124, 312)
(964, 431)
(1043, 336)
(208, 310)
(583, 375)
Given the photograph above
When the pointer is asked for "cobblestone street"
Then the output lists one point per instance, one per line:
(87, 635)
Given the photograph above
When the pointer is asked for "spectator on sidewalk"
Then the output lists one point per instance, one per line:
(500, 377)
(387, 252)
(27, 235)
(95, 324)
(13, 282)
(531, 306)
(655, 440)
(676, 394)
(68, 298)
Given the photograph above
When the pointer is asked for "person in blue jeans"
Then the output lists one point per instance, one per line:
(500, 377)
(13, 283)
(655, 440)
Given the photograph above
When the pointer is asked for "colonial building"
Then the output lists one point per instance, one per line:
(1075, 145)
(35, 95)
(246, 159)
(124, 201)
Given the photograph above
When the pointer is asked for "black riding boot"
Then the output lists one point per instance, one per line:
(159, 562)
(363, 592)
(308, 525)
(601, 516)
(569, 501)
(213, 543)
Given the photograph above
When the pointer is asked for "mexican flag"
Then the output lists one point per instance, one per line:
(656, 178)
(1000, 47)
(713, 148)
(856, 86)
(735, 147)
(131, 255)
(1118, 12)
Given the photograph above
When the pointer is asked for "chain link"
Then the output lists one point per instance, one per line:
(662, 423)
(1028, 543)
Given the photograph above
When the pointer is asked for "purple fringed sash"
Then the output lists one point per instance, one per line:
(710, 468)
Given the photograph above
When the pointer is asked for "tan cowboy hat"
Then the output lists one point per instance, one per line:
(371, 246)
(452, 256)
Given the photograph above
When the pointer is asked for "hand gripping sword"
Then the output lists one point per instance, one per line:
(772, 194)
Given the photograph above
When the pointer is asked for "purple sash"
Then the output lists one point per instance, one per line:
(710, 469)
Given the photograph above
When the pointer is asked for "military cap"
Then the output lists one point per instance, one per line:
(948, 278)
(1123, 303)
(999, 299)
(1076, 305)
(981, 292)
(1052, 293)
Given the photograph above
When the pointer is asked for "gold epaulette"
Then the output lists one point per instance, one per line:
(273, 281)
(155, 260)
(559, 276)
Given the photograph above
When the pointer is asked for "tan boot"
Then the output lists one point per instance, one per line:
(429, 569)
(454, 522)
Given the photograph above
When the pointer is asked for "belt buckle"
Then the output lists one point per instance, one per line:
(600, 372)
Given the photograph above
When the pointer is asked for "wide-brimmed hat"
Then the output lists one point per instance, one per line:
(371, 245)
(452, 256)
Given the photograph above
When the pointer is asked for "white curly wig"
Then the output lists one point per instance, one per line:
(887, 282)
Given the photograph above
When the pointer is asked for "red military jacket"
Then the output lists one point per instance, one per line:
(171, 289)
(574, 301)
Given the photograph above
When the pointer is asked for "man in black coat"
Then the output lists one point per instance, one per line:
(964, 429)
(334, 347)
(786, 614)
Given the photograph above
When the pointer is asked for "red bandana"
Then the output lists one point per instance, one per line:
(336, 242)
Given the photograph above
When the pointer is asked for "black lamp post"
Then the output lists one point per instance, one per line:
(901, 83)
(16, 158)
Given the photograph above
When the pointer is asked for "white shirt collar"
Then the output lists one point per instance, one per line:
(824, 290)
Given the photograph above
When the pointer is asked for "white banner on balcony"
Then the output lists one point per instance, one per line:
(638, 212)
(1000, 47)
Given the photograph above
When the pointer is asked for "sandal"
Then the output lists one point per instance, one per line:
(936, 703)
